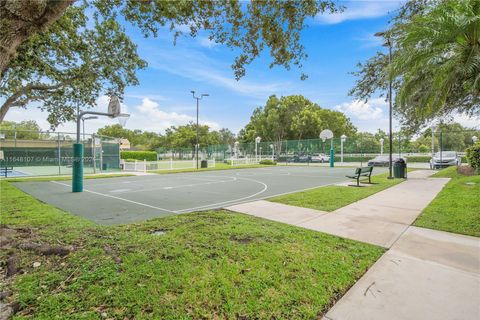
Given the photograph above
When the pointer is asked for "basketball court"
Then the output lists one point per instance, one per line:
(129, 199)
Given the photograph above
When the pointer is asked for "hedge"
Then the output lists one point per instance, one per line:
(473, 155)
(268, 162)
(139, 155)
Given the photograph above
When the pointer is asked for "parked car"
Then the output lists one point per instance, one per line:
(381, 161)
(320, 157)
(445, 159)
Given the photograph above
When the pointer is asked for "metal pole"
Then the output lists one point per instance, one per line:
(59, 153)
(441, 146)
(83, 125)
(197, 135)
(341, 147)
(390, 110)
(93, 154)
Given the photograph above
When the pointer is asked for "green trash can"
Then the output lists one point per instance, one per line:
(104, 166)
(400, 168)
(204, 164)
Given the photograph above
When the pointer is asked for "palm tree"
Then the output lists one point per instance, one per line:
(437, 60)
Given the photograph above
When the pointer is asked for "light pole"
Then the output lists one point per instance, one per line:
(381, 145)
(388, 44)
(273, 151)
(257, 141)
(83, 124)
(343, 138)
(196, 139)
(433, 139)
(260, 153)
(235, 150)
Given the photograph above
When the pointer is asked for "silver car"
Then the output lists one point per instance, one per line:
(445, 159)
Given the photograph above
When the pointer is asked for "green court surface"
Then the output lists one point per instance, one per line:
(130, 199)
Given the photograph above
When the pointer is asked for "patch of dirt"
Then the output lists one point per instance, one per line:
(108, 250)
(466, 170)
(240, 239)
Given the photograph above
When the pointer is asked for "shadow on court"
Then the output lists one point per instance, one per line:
(129, 199)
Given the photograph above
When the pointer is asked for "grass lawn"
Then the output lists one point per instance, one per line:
(207, 265)
(457, 207)
(331, 198)
(218, 166)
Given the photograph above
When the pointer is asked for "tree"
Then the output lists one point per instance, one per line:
(251, 28)
(69, 65)
(294, 117)
(435, 65)
(144, 140)
(307, 122)
(24, 130)
(226, 136)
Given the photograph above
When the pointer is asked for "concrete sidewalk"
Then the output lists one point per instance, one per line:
(379, 219)
(426, 274)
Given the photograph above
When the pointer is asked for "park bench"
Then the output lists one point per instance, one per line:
(362, 172)
(5, 170)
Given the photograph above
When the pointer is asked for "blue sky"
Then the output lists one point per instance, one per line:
(334, 44)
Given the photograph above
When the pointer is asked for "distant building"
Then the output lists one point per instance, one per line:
(124, 144)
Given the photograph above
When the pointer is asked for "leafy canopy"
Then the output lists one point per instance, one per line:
(80, 56)
(435, 65)
(294, 117)
(70, 65)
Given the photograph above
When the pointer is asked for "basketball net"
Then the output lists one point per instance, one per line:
(122, 119)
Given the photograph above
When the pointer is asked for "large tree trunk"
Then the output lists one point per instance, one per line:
(19, 19)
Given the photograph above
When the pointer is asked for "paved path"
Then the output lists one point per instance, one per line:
(426, 274)
(379, 219)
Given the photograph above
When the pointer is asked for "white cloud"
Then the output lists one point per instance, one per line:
(356, 10)
(371, 110)
(152, 118)
(146, 116)
(194, 65)
(206, 42)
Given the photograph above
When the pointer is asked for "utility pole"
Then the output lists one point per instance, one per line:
(388, 44)
(196, 139)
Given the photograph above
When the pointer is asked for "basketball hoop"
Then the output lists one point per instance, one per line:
(326, 134)
(122, 119)
(114, 107)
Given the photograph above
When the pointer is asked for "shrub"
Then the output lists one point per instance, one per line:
(139, 155)
(473, 156)
(268, 162)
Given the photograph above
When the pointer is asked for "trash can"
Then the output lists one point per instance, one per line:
(204, 164)
(399, 168)
(104, 166)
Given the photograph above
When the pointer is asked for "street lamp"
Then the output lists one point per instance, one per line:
(388, 44)
(235, 149)
(474, 139)
(381, 145)
(257, 141)
(196, 139)
(343, 138)
(273, 151)
(83, 124)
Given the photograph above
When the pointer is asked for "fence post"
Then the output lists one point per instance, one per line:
(145, 165)
(59, 154)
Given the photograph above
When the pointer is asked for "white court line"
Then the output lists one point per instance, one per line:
(179, 186)
(118, 198)
(265, 187)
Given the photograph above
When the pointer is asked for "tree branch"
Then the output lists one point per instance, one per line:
(13, 100)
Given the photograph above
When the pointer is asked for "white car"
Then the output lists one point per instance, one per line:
(319, 157)
(445, 159)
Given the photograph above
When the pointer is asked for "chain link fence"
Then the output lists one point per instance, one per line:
(34, 153)
(355, 151)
